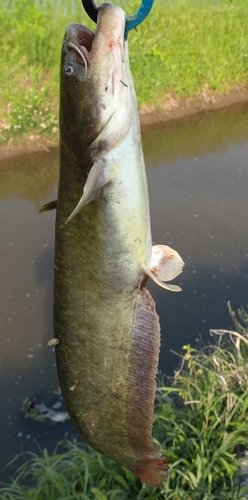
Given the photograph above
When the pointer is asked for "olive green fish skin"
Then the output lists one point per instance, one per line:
(93, 320)
(104, 318)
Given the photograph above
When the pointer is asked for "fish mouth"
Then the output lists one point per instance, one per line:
(108, 38)
(80, 40)
(82, 36)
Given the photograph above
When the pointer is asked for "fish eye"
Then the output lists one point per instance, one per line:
(69, 69)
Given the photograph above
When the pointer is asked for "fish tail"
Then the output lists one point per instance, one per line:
(153, 471)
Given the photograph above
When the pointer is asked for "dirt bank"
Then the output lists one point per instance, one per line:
(170, 110)
(178, 108)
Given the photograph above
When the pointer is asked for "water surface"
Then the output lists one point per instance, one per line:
(198, 178)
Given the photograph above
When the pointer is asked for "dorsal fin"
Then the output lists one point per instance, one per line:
(51, 205)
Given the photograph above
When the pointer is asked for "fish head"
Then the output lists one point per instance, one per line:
(96, 91)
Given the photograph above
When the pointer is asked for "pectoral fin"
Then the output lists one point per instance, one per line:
(165, 265)
(167, 286)
(51, 205)
(98, 177)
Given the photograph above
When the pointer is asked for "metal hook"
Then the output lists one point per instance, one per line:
(131, 21)
(90, 9)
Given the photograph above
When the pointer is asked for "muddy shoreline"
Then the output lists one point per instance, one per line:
(171, 110)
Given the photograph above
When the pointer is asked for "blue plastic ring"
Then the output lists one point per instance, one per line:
(138, 18)
(131, 21)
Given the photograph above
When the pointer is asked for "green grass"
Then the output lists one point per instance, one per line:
(195, 45)
(201, 425)
(184, 47)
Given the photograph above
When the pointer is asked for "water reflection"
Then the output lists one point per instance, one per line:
(30, 177)
(202, 134)
(198, 177)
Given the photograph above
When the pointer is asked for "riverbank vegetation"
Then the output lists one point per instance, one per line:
(201, 424)
(185, 48)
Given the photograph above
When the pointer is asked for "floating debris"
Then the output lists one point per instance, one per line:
(41, 412)
(57, 391)
(57, 405)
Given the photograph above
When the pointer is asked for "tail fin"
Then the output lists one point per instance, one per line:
(153, 471)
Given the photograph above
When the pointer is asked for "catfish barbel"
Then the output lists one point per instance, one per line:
(107, 331)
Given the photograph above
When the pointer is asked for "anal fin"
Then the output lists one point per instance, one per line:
(51, 205)
(143, 368)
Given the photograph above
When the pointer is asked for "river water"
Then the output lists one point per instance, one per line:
(198, 181)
